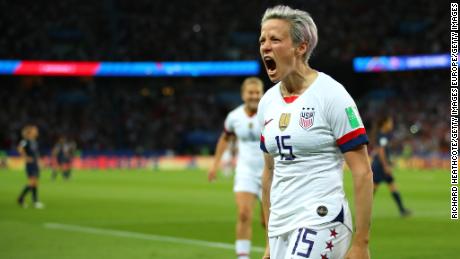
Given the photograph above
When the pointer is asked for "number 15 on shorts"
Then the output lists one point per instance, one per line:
(304, 237)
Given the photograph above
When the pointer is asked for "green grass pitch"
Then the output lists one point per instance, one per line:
(147, 214)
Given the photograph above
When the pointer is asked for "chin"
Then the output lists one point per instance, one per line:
(274, 78)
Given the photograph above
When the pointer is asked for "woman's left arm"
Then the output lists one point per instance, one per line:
(358, 162)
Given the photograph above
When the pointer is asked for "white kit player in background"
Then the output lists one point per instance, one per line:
(310, 126)
(242, 124)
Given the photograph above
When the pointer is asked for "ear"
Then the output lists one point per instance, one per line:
(301, 49)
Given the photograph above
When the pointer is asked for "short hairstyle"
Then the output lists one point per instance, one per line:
(303, 28)
(252, 80)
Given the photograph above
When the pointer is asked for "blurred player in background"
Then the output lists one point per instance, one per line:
(310, 125)
(242, 124)
(381, 164)
(28, 149)
(62, 154)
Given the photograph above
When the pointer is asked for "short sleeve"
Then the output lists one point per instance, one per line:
(345, 121)
(228, 125)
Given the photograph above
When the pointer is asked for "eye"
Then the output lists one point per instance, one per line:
(261, 41)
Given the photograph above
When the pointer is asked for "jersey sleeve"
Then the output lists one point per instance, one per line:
(345, 121)
(229, 125)
(261, 120)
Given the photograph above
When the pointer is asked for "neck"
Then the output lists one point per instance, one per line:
(249, 111)
(298, 81)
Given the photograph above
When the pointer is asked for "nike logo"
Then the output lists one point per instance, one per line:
(266, 122)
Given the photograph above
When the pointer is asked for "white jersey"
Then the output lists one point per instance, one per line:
(247, 130)
(306, 137)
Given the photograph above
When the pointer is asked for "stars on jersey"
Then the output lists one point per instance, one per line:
(329, 245)
(333, 233)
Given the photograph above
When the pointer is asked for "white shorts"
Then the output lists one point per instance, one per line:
(248, 181)
(327, 241)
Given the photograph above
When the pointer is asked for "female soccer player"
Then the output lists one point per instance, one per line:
(311, 124)
(381, 164)
(62, 154)
(28, 149)
(242, 124)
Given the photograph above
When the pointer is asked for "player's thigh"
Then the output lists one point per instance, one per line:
(33, 173)
(331, 242)
(245, 201)
(32, 180)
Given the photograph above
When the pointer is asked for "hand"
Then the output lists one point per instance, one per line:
(212, 174)
(29, 159)
(358, 252)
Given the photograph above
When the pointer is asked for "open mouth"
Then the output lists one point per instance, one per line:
(270, 64)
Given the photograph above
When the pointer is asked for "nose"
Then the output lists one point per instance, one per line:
(265, 47)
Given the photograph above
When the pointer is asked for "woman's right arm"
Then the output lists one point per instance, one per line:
(221, 146)
(267, 178)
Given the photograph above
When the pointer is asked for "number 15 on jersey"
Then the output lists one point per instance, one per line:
(284, 149)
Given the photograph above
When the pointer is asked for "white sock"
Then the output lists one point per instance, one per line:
(243, 248)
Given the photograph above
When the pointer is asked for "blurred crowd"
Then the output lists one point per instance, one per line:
(186, 115)
(420, 109)
(110, 114)
(211, 29)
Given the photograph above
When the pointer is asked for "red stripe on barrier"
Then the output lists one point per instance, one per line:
(57, 68)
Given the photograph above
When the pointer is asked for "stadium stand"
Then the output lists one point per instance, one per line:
(186, 114)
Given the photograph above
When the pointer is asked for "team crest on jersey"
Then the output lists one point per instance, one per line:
(307, 117)
(285, 118)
